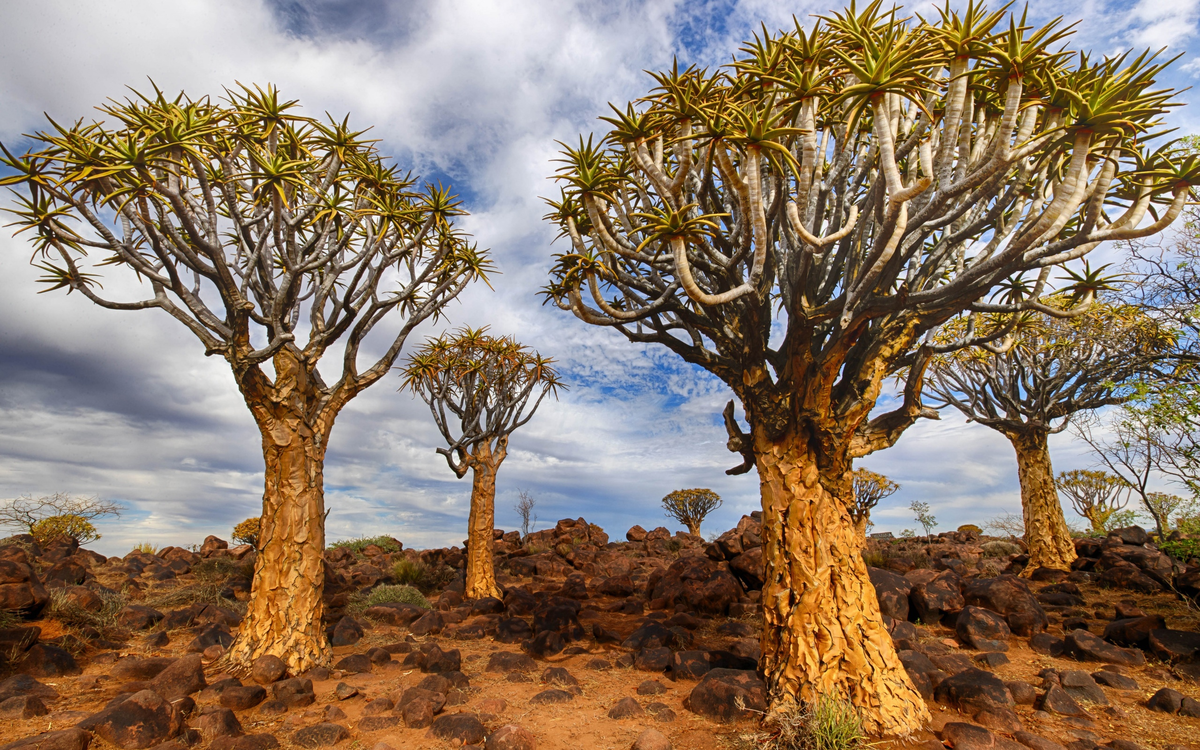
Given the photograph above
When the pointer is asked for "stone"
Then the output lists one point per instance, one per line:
(636, 534)
(653, 659)
(66, 573)
(242, 697)
(559, 676)
(973, 690)
(62, 739)
(1189, 707)
(213, 634)
(45, 660)
(689, 665)
(1023, 693)
(507, 661)
(546, 643)
(21, 592)
(1128, 577)
(133, 668)
(1046, 644)
(24, 685)
(716, 694)
(22, 707)
(430, 623)
(344, 692)
(394, 613)
(346, 632)
(651, 739)
(183, 677)
(892, 591)
(661, 712)
(218, 722)
(1034, 742)
(1114, 680)
(1082, 687)
(1084, 646)
(651, 687)
(354, 664)
(626, 708)
(513, 630)
(324, 734)
(990, 659)
(267, 669)
(142, 720)
(1057, 701)
(138, 617)
(964, 736)
(295, 692)
(1135, 535)
(551, 696)
(1166, 701)
(511, 737)
(1010, 597)
(1133, 632)
(982, 629)
(934, 599)
(1174, 646)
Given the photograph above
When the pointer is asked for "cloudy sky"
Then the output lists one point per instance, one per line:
(474, 93)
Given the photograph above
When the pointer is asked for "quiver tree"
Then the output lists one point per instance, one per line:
(850, 188)
(1047, 370)
(689, 507)
(479, 389)
(868, 489)
(60, 514)
(272, 237)
(1095, 495)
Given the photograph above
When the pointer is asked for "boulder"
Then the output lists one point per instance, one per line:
(21, 591)
(1128, 577)
(267, 669)
(651, 739)
(22, 707)
(1174, 646)
(142, 720)
(892, 591)
(184, 677)
(1130, 535)
(626, 708)
(1009, 596)
(1081, 686)
(24, 685)
(325, 734)
(1084, 646)
(716, 695)
(982, 629)
(346, 632)
(460, 729)
(1133, 632)
(45, 660)
(62, 739)
(934, 599)
(1166, 701)
(295, 692)
(974, 690)
(511, 737)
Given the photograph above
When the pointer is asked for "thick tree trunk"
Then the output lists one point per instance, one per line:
(694, 528)
(1046, 532)
(285, 613)
(481, 573)
(822, 630)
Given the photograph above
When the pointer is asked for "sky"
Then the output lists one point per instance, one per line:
(475, 94)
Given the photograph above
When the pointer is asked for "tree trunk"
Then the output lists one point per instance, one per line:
(822, 630)
(481, 573)
(694, 528)
(1046, 532)
(285, 613)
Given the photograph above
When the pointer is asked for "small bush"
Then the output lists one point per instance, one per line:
(385, 543)
(76, 527)
(246, 532)
(827, 724)
(146, 547)
(970, 527)
(73, 616)
(1182, 550)
(425, 578)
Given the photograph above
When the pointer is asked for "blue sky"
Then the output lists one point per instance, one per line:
(475, 94)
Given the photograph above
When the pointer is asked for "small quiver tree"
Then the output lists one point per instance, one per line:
(869, 488)
(272, 237)
(1046, 371)
(60, 514)
(479, 389)
(247, 531)
(799, 221)
(1095, 495)
(689, 507)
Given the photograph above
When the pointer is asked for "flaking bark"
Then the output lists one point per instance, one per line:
(481, 573)
(1046, 531)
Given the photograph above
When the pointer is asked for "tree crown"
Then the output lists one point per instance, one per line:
(869, 489)
(689, 507)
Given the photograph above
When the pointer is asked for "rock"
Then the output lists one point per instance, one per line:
(63, 739)
(1084, 646)
(344, 692)
(354, 664)
(651, 687)
(324, 734)
(1166, 701)
(140, 721)
(991, 659)
(1009, 596)
(394, 613)
(132, 668)
(974, 690)
(559, 676)
(20, 590)
(430, 623)
(183, 677)
(892, 591)
(626, 708)
(218, 722)
(1114, 680)
(1057, 701)
(67, 573)
(22, 707)
(982, 629)
(346, 632)
(1135, 535)
(295, 692)
(1128, 577)
(24, 685)
(465, 729)
(562, 619)
(513, 630)
(45, 660)
(689, 665)
(245, 742)
(661, 712)
(1189, 707)
(934, 599)
(651, 739)
(551, 696)
(511, 737)
(267, 669)
(715, 696)
(1082, 687)
(1023, 693)
(242, 697)
(1034, 742)
(16, 641)
(544, 644)
(653, 659)
(1044, 643)
(963, 736)
(212, 545)
(1132, 632)
(1174, 646)
(749, 568)
(213, 634)
(507, 661)
(430, 658)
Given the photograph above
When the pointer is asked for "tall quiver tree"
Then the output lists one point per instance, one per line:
(1046, 371)
(479, 389)
(797, 222)
(272, 237)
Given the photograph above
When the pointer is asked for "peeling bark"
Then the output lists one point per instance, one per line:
(481, 573)
(1046, 532)
(823, 633)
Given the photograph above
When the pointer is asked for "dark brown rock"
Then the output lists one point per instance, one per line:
(1058, 702)
(22, 707)
(268, 669)
(218, 722)
(294, 692)
(23, 684)
(626, 708)
(45, 660)
(63, 739)
(715, 696)
(183, 677)
(651, 739)
(142, 720)
(324, 734)
(507, 661)
(1166, 701)
(243, 697)
(552, 696)
(1084, 646)
(1009, 596)
(973, 690)
(964, 736)
(892, 591)
(464, 729)
(934, 599)
(982, 629)
(511, 737)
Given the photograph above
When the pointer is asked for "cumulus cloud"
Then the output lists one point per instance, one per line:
(470, 92)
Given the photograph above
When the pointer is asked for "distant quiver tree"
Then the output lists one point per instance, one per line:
(869, 488)
(479, 388)
(689, 507)
(1096, 495)
(1045, 372)
(271, 237)
(61, 514)
(800, 223)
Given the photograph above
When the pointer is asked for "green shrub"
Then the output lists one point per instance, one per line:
(425, 578)
(970, 527)
(148, 547)
(828, 724)
(1182, 550)
(76, 527)
(385, 543)
(246, 532)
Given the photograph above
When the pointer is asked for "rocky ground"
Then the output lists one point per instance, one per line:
(643, 643)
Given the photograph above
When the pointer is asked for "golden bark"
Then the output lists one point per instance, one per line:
(823, 633)
(284, 617)
(1046, 532)
(694, 528)
(481, 573)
